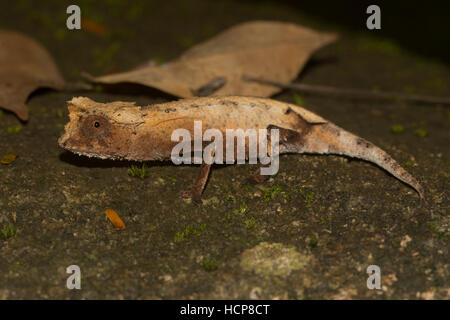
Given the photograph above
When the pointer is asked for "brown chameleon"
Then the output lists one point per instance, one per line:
(122, 130)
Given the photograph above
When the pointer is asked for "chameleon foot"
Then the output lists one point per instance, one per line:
(196, 198)
(256, 177)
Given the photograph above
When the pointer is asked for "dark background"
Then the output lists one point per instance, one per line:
(421, 26)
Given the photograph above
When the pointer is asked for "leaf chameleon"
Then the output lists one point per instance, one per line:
(122, 130)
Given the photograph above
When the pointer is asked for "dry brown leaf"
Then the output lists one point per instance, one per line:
(25, 65)
(269, 50)
(115, 219)
(8, 158)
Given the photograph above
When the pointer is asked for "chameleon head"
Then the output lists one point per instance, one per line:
(94, 132)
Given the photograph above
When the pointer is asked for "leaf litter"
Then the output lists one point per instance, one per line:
(25, 65)
(266, 49)
(115, 219)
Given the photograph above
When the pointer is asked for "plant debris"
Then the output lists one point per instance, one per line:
(115, 219)
(25, 65)
(272, 50)
(8, 158)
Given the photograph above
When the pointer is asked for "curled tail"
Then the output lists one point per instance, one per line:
(330, 139)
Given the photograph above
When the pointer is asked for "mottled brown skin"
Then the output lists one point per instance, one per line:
(121, 130)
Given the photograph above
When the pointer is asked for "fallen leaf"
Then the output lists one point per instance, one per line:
(269, 50)
(115, 219)
(25, 65)
(93, 27)
(8, 158)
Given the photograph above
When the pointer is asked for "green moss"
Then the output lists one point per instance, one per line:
(42, 19)
(271, 193)
(298, 100)
(104, 56)
(179, 236)
(408, 164)
(250, 223)
(188, 232)
(421, 132)
(135, 11)
(409, 89)
(211, 201)
(227, 218)
(15, 266)
(60, 112)
(60, 34)
(419, 123)
(172, 179)
(8, 231)
(436, 83)
(210, 264)
(14, 129)
(313, 242)
(308, 196)
(397, 128)
(1, 113)
(442, 235)
(384, 46)
(137, 172)
(243, 209)
(287, 196)
(229, 198)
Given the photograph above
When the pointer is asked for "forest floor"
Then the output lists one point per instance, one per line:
(309, 232)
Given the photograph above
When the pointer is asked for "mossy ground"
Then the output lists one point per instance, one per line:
(337, 214)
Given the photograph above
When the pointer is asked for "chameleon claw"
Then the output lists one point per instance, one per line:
(190, 194)
(185, 194)
(250, 181)
(256, 178)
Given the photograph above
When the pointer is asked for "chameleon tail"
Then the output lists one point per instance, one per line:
(330, 139)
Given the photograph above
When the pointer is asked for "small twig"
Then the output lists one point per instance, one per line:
(210, 87)
(350, 92)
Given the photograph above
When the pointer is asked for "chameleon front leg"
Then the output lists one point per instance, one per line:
(196, 192)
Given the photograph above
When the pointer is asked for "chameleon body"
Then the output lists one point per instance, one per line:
(122, 130)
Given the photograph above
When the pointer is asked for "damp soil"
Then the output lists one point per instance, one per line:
(310, 232)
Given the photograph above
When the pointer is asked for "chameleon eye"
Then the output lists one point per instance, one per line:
(96, 124)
